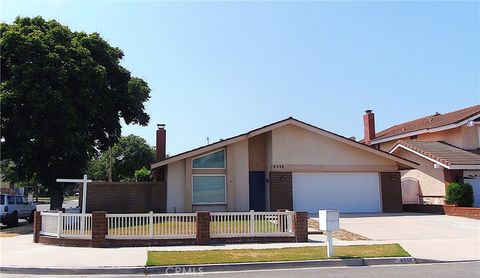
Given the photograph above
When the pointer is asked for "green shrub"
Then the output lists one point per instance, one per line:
(142, 174)
(460, 194)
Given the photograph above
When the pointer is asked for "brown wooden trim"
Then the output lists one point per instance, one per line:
(307, 168)
(390, 184)
(281, 194)
(209, 171)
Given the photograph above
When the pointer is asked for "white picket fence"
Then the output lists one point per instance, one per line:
(151, 225)
(170, 225)
(251, 224)
(74, 225)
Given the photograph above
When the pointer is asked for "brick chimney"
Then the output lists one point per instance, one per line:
(369, 126)
(161, 142)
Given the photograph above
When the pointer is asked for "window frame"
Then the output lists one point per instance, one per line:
(210, 175)
(216, 151)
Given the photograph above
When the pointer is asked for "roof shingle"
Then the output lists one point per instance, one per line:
(432, 121)
(442, 152)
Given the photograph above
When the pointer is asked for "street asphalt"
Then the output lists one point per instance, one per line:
(453, 269)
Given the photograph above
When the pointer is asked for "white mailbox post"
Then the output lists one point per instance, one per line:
(328, 222)
(84, 198)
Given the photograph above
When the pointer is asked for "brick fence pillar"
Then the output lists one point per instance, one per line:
(37, 226)
(300, 226)
(203, 227)
(99, 228)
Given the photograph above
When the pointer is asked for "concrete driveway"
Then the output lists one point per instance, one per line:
(435, 237)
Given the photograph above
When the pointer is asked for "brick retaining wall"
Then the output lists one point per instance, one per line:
(462, 211)
(444, 209)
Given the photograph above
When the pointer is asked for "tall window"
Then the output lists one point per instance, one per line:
(215, 160)
(209, 189)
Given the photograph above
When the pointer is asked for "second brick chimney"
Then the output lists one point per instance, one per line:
(369, 126)
(161, 142)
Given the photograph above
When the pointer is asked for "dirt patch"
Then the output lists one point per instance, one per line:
(23, 228)
(341, 234)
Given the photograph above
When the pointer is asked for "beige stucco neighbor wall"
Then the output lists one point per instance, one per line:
(176, 187)
(238, 177)
(464, 137)
(296, 146)
(471, 138)
(431, 180)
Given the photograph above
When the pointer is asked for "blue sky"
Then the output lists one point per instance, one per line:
(217, 69)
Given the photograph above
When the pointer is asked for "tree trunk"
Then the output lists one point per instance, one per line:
(56, 197)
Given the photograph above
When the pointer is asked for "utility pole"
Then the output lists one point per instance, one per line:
(110, 168)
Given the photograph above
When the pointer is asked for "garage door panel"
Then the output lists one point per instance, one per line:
(355, 192)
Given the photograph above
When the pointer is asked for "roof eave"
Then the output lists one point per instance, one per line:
(425, 130)
(465, 167)
(402, 162)
(446, 165)
(221, 144)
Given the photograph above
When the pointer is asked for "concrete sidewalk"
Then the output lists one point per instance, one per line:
(21, 251)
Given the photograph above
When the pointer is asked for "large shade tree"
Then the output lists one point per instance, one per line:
(63, 95)
(129, 155)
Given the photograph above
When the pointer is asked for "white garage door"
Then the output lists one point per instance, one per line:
(355, 192)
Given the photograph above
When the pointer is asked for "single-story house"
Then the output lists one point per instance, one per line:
(288, 164)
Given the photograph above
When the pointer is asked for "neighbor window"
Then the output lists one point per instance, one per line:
(209, 189)
(215, 160)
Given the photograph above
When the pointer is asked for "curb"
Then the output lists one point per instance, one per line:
(72, 270)
(192, 269)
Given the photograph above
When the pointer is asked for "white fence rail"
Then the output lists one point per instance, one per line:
(151, 226)
(170, 225)
(74, 225)
(251, 224)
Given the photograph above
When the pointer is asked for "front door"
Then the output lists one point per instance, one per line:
(257, 190)
(473, 178)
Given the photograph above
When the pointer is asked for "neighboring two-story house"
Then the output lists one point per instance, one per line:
(446, 147)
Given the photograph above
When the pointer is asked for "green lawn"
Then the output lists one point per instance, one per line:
(270, 255)
(158, 228)
(243, 226)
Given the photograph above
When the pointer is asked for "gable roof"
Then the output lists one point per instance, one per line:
(407, 164)
(432, 123)
(441, 153)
